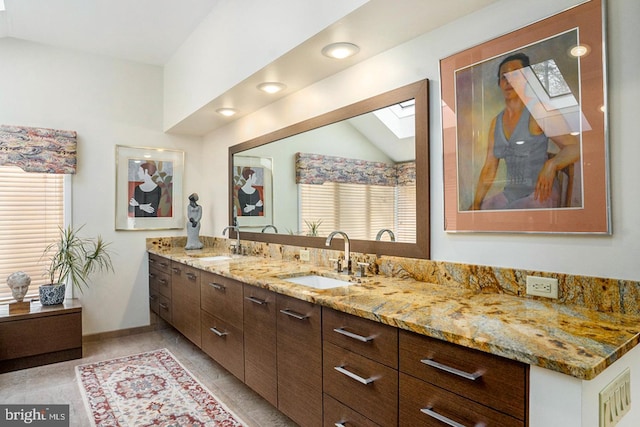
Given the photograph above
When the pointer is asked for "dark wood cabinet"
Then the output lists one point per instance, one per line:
(160, 286)
(44, 335)
(483, 383)
(260, 362)
(222, 321)
(299, 355)
(185, 301)
(320, 366)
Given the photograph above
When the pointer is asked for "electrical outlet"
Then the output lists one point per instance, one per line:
(615, 399)
(542, 286)
(304, 255)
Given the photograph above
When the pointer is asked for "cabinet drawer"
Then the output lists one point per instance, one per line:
(224, 343)
(221, 297)
(161, 281)
(422, 403)
(48, 334)
(160, 263)
(337, 414)
(366, 337)
(378, 398)
(164, 308)
(501, 383)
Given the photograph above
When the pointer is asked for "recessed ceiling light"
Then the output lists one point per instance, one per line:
(579, 50)
(227, 112)
(271, 87)
(340, 50)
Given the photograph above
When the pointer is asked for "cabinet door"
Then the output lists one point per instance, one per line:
(154, 293)
(299, 340)
(185, 301)
(260, 342)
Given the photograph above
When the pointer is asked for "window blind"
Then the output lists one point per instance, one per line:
(363, 210)
(31, 213)
(360, 210)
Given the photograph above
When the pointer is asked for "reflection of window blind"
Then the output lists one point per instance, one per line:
(359, 210)
(406, 225)
(31, 212)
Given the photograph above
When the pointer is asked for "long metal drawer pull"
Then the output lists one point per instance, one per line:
(217, 286)
(294, 314)
(256, 300)
(356, 377)
(176, 270)
(152, 276)
(153, 297)
(164, 265)
(340, 424)
(474, 376)
(152, 261)
(217, 332)
(162, 281)
(164, 306)
(354, 336)
(442, 418)
(192, 276)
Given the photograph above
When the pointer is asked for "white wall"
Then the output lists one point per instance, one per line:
(107, 102)
(610, 256)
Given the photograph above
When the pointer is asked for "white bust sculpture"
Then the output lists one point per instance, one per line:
(19, 283)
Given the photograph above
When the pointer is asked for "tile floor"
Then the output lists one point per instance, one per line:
(56, 383)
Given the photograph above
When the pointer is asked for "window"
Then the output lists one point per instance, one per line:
(360, 210)
(31, 213)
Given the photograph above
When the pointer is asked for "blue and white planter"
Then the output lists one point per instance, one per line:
(52, 294)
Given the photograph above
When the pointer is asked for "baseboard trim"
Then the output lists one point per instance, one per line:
(156, 324)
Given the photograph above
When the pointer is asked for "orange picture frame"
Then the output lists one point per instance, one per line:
(565, 94)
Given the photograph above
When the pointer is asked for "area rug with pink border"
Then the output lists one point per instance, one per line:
(149, 389)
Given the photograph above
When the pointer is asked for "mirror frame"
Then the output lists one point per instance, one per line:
(421, 248)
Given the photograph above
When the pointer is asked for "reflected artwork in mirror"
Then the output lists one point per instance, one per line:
(361, 169)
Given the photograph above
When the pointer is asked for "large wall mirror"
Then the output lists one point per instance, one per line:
(362, 169)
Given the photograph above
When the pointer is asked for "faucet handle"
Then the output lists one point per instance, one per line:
(234, 248)
(362, 269)
(338, 264)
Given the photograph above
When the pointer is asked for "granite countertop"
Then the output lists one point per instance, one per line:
(567, 339)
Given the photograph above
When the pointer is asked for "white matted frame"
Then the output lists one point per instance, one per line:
(149, 188)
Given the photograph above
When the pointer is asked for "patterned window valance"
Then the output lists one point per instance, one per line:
(38, 149)
(318, 169)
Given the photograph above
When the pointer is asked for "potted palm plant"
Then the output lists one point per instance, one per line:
(72, 260)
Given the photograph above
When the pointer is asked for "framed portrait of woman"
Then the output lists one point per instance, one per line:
(524, 129)
(252, 191)
(149, 188)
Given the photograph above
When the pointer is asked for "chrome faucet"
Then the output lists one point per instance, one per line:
(236, 248)
(270, 226)
(386, 230)
(347, 253)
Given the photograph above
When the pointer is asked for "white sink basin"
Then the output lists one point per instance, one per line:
(214, 258)
(318, 282)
